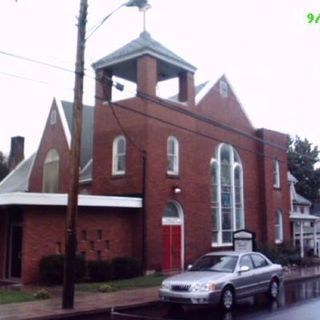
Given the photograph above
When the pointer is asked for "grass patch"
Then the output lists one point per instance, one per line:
(116, 285)
(15, 296)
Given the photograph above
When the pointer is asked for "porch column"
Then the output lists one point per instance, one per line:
(294, 227)
(301, 240)
(314, 239)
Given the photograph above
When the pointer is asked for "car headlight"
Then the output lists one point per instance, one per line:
(165, 285)
(203, 287)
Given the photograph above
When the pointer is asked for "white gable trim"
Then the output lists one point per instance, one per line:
(204, 91)
(64, 122)
(61, 199)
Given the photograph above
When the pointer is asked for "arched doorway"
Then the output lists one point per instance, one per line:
(172, 237)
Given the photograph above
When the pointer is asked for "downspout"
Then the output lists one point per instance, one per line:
(144, 216)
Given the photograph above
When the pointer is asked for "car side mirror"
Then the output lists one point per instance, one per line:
(244, 269)
(189, 266)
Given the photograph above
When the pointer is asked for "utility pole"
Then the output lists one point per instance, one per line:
(72, 211)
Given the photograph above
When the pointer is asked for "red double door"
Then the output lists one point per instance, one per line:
(171, 246)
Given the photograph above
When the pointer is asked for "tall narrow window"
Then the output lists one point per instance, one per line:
(173, 156)
(51, 172)
(119, 156)
(278, 227)
(276, 174)
(215, 200)
(226, 195)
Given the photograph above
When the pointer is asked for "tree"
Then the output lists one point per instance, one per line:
(302, 158)
(3, 166)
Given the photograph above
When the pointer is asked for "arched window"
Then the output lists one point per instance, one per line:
(51, 172)
(119, 156)
(173, 155)
(226, 194)
(278, 227)
(215, 199)
(172, 214)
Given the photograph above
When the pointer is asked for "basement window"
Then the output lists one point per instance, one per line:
(58, 248)
(99, 234)
(84, 235)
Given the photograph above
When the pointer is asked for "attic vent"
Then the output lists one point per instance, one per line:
(223, 88)
(53, 117)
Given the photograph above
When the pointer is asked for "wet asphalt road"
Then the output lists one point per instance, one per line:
(297, 301)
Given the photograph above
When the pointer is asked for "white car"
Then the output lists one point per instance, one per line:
(223, 277)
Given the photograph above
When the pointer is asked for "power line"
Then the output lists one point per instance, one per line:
(162, 102)
(159, 101)
(165, 104)
(43, 63)
(121, 106)
(13, 55)
(161, 120)
(125, 131)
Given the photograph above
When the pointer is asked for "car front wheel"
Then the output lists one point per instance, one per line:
(227, 299)
(274, 288)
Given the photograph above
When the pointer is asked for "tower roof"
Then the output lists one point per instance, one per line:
(123, 61)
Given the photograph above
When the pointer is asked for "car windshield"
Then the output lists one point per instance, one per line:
(218, 263)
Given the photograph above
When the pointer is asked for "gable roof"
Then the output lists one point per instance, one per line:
(299, 199)
(18, 179)
(210, 86)
(87, 129)
(123, 60)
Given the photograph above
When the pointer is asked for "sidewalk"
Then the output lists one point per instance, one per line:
(94, 303)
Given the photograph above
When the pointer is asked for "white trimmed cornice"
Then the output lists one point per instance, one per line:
(60, 199)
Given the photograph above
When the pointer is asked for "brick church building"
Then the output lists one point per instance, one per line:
(162, 180)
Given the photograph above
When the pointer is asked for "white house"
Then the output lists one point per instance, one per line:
(305, 226)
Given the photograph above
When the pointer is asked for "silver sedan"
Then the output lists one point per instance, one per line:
(223, 277)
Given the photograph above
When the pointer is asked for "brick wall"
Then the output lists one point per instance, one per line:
(197, 145)
(109, 233)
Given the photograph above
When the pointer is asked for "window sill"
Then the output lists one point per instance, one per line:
(173, 175)
(221, 245)
(118, 176)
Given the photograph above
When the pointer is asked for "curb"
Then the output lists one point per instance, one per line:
(301, 278)
(73, 314)
(98, 311)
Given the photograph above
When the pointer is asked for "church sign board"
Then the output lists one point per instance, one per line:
(244, 240)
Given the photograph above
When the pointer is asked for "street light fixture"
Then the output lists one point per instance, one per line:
(141, 4)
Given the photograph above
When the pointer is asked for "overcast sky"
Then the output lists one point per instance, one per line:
(266, 48)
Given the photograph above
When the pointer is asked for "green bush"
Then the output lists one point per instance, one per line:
(125, 267)
(51, 269)
(99, 270)
(105, 288)
(284, 254)
(42, 294)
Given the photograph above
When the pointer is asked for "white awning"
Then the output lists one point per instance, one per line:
(295, 216)
(60, 199)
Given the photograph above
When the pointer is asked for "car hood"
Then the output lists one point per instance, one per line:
(196, 276)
